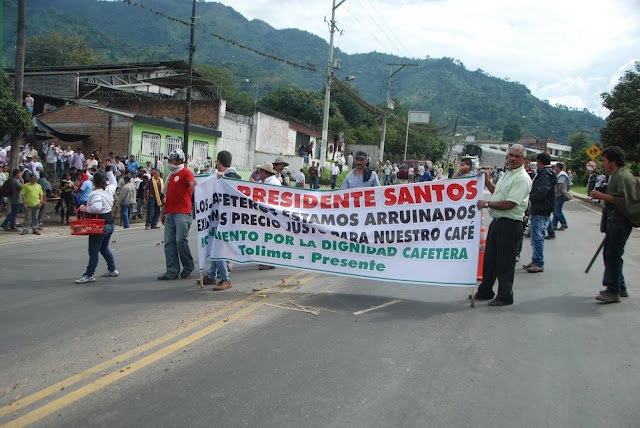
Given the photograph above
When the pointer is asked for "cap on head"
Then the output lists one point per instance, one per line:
(361, 154)
(176, 154)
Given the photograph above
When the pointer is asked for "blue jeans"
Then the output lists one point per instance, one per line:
(176, 244)
(99, 244)
(10, 221)
(31, 215)
(153, 212)
(219, 268)
(387, 180)
(614, 242)
(558, 216)
(314, 183)
(539, 225)
(334, 179)
(124, 215)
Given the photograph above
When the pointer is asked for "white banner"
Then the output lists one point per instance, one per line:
(423, 233)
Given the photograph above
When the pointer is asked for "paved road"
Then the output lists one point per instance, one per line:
(131, 351)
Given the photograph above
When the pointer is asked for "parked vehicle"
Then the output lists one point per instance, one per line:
(487, 156)
(403, 172)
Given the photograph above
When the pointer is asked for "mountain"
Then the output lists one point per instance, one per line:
(129, 31)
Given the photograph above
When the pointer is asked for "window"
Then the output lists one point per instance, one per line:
(173, 143)
(150, 144)
(200, 152)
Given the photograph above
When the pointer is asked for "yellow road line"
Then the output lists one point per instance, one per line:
(65, 383)
(94, 386)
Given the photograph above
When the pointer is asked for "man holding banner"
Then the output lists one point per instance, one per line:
(361, 176)
(508, 206)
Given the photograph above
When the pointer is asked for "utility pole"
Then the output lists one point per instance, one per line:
(453, 134)
(386, 106)
(327, 90)
(19, 79)
(187, 106)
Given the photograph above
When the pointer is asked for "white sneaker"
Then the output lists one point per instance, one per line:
(111, 273)
(85, 279)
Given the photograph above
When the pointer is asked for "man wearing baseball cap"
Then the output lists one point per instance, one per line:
(361, 176)
(176, 217)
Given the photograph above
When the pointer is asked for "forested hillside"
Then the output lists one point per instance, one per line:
(126, 32)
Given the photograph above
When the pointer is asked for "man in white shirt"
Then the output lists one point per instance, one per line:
(334, 169)
(34, 166)
(52, 159)
(91, 162)
(78, 160)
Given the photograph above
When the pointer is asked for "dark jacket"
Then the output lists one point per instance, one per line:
(543, 190)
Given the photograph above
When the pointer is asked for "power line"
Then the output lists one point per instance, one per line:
(394, 35)
(379, 27)
(372, 35)
(308, 66)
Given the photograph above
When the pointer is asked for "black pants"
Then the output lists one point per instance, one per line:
(500, 258)
(68, 202)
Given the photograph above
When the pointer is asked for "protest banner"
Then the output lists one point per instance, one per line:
(423, 233)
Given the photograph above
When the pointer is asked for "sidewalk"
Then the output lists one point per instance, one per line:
(50, 229)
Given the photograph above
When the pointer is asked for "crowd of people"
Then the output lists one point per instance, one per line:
(100, 187)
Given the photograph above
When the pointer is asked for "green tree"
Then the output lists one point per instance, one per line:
(237, 95)
(512, 132)
(14, 119)
(579, 142)
(623, 123)
(56, 48)
(303, 105)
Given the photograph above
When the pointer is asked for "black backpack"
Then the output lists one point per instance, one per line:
(5, 190)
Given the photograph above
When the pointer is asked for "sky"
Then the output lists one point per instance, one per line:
(565, 51)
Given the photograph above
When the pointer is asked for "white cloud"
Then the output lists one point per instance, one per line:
(568, 51)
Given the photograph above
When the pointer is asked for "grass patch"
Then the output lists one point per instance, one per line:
(579, 188)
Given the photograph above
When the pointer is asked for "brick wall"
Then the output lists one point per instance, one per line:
(203, 112)
(107, 131)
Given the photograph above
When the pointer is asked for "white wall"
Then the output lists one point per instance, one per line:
(274, 136)
(236, 133)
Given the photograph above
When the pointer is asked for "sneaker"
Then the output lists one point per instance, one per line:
(5, 227)
(535, 269)
(608, 297)
(147, 227)
(528, 266)
(24, 231)
(206, 280)
(623, 293)
(84, 279)
(563, 227)
(222, 285)
(37, 232)
(498, 302)
(550, 237)
(110, 274)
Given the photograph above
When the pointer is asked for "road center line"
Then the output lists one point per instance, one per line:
(65, 383)
(94, 386)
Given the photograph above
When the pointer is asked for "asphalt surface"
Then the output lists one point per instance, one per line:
(132, 351)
